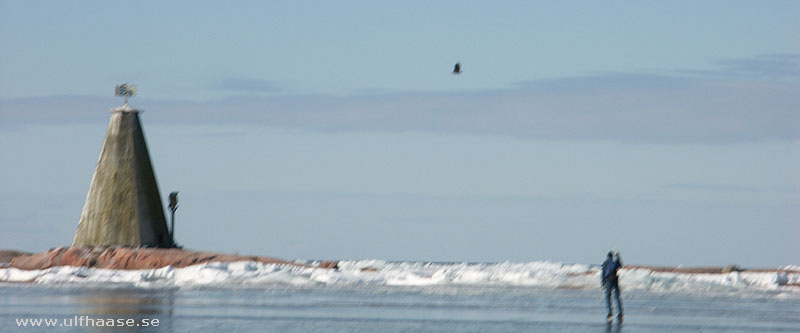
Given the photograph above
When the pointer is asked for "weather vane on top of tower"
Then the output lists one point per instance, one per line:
(126, 90)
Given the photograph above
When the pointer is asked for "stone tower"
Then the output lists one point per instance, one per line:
(123, 207)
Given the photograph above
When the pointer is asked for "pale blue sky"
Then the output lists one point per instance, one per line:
(669, 131)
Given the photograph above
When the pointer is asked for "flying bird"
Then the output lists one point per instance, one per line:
(457, 69)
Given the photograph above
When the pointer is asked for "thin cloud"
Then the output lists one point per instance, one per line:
(769, 66)
(220, 134)
(622, 107)
(777, 67)
(245, 85)
(715, 187)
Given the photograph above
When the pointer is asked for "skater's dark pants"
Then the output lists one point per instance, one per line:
(609, 286)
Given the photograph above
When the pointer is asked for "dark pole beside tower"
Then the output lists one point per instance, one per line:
(173, 206)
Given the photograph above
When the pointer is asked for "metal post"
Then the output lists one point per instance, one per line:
(173, 206)
(172, 227)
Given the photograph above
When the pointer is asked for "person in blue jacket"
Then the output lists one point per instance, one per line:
(611, 282)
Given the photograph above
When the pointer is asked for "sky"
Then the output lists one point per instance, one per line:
(334, 130)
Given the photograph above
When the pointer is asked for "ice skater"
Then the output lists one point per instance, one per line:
(611, 283)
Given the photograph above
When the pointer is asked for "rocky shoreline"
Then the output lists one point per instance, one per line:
(122, 258)
(150, 258)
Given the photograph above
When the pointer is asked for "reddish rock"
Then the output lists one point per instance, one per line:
(128, 258)
(7, 255)
(329, 264)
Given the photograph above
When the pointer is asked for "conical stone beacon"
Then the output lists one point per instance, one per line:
(123, 206)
